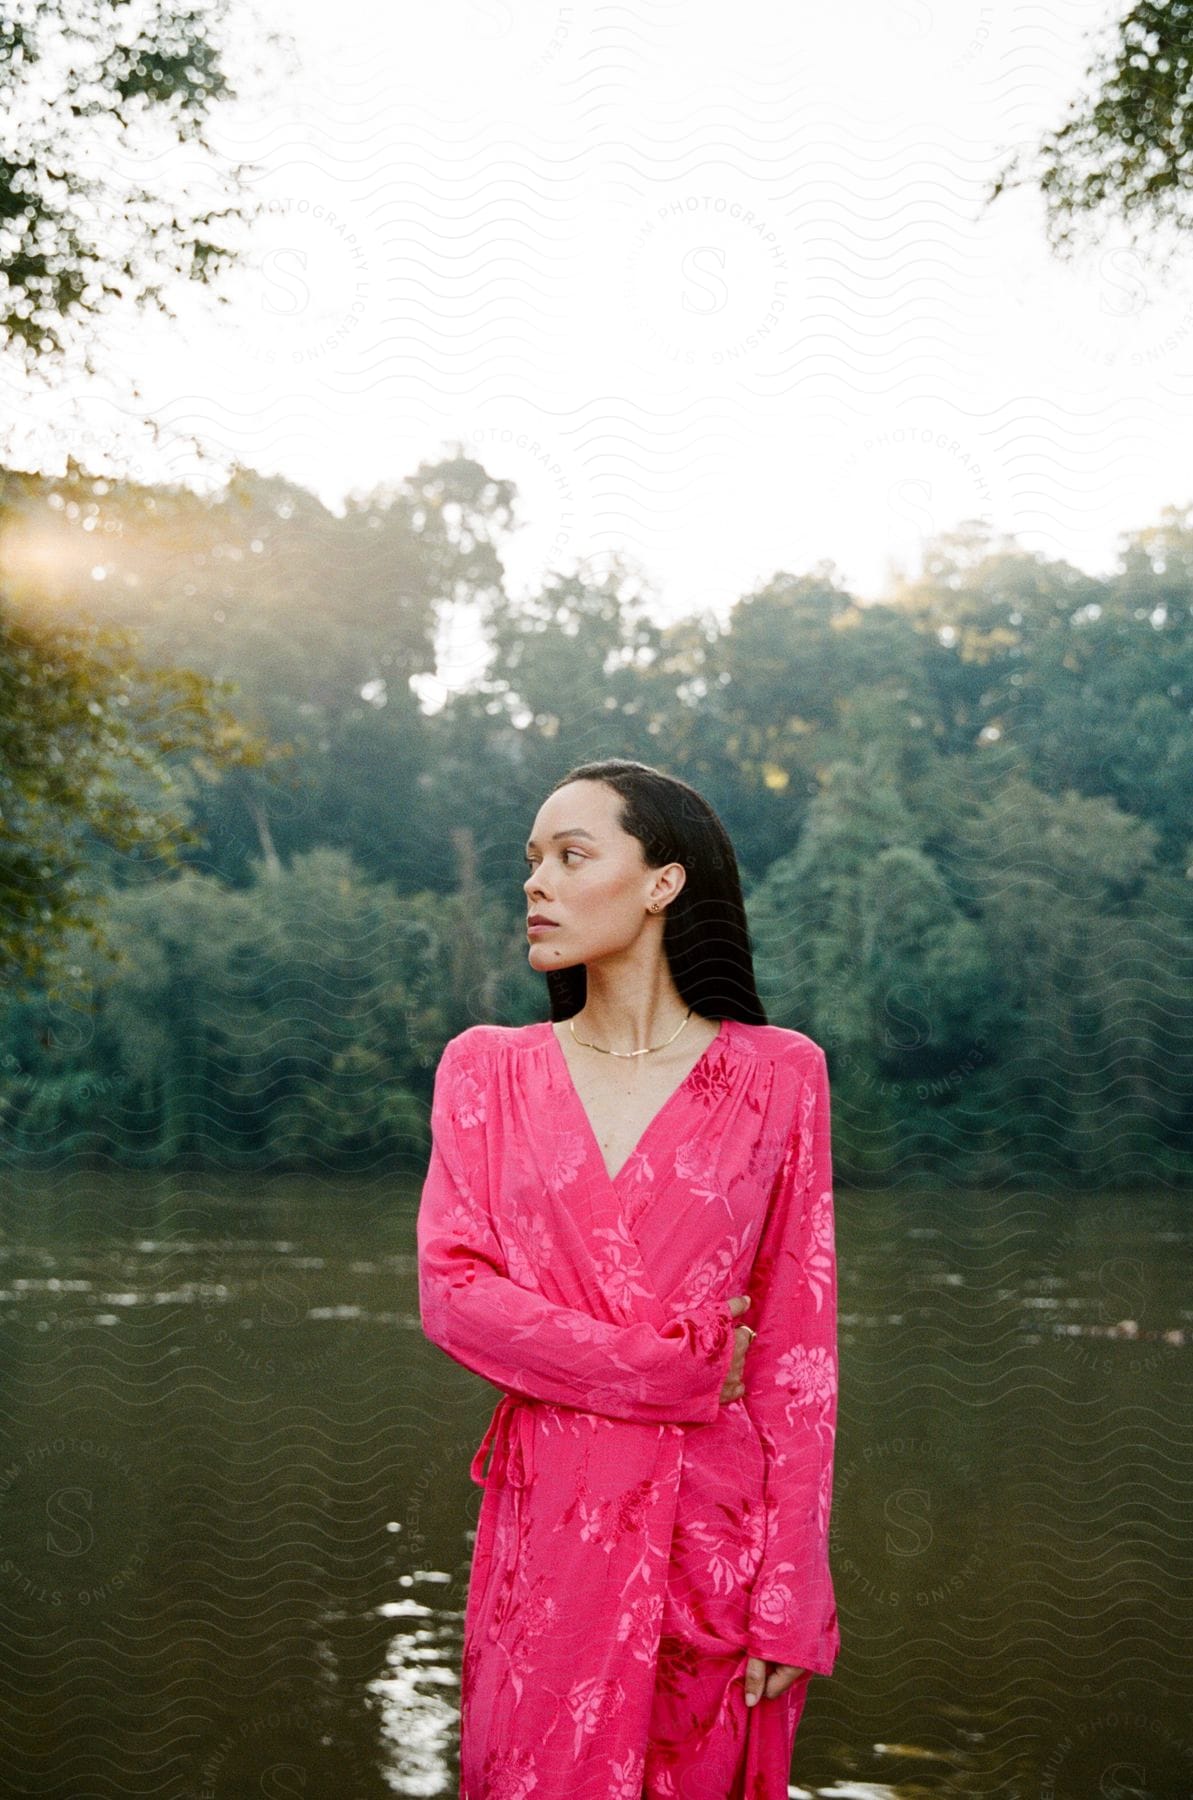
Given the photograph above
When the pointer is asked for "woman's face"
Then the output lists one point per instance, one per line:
(589, 878)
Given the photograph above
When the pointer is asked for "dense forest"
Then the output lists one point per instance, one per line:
(962, 817)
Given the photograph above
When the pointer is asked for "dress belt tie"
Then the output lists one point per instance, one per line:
(511, 1436)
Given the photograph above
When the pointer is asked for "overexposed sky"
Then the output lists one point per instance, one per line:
(713, 284)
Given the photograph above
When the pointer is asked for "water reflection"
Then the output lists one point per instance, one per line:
(236, 1518)
(419, 1692)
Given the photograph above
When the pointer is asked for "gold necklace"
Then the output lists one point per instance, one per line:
(645, 1052)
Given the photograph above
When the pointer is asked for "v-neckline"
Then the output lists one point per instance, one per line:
(649, 1129)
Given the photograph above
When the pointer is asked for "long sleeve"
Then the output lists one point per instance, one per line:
(791, 1393)
(517, 1338)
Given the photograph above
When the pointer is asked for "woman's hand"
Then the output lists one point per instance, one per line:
(758, 1683)
(735, 1386)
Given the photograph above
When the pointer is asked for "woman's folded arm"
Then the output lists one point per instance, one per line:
(518, 1339)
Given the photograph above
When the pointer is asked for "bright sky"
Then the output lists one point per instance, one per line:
(713, 285)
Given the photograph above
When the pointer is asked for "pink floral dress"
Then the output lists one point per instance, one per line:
(637, 1540)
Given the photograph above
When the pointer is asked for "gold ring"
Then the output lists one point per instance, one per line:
(750, 1329)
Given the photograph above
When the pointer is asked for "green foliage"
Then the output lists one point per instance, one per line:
(293, 1023)
(962, 818)
(1125, 149)
(90, 93)
(89, 740)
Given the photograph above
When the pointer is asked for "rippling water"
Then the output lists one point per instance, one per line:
(236, 1518)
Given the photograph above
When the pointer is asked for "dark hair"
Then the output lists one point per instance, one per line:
(705, 935)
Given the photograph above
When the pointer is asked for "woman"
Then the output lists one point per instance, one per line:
(608, 1193)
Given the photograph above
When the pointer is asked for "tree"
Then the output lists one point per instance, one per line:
(92, 92)
(86, 740)
(1128, 148)
(806, 915)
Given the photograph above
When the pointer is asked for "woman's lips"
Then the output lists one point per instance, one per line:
(539, 926)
